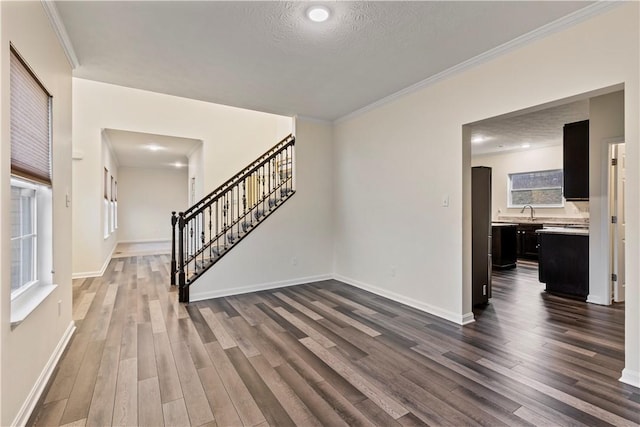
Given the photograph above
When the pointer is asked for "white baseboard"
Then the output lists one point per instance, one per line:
(144, 241)
(436, 311)
(98, 273)
(32, 399)
(630, 377)
(597, 299)
(199, 296)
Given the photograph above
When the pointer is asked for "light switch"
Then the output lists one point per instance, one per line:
(445, 201)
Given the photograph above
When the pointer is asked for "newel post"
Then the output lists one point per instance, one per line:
(183, 290)
(174, 221)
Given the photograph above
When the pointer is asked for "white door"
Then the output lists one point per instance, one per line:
(618, 241)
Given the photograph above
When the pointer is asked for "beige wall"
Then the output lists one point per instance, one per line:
(503, 164)
(394, 164)
(28, 352)
(606, 124)
(231, 137)
(146, 199)
(109, 162)
(295, 244)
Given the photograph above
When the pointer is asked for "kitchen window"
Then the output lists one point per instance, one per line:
(540, 189)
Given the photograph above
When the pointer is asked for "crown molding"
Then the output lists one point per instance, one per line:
(539, 33)
(312, 119)
(58, 27)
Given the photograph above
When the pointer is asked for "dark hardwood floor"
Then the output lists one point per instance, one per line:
(330, 354)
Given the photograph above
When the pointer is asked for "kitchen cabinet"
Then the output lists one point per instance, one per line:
(527, 241)
(480, 235)
(576, 160)
(504, 244)
(564, 261)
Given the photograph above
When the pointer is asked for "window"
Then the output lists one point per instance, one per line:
(115, 204)
(23, 237)
(30, 107)
(541, 189)
(106, 205)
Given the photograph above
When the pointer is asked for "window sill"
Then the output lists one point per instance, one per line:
(27, 302)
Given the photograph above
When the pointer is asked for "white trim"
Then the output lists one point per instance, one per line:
(145, 241)
(537, 34)
(630, 377)
(34, 395)
(25, 303)
(99, 273)
(257, 287)
(597, 299)
(312, 119)
(194, 149)
(436, 311)
(51, 11)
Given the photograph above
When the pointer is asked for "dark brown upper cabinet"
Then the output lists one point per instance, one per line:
(576, 161)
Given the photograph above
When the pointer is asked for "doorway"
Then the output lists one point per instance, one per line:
(617, 225)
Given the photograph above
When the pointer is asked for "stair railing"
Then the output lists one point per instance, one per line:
(208, 229)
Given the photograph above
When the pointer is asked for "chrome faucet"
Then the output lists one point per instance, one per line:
(530, 207)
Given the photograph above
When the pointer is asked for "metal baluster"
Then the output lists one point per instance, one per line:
(209, 242)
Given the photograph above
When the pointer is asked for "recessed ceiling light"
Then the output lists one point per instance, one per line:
(478, 139)
(318, 13)
(178, 165)
(154, 147)
(526, 145)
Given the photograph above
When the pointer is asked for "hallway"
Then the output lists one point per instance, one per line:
(330, 354)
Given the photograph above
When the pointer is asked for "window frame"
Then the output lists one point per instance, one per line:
(21, 183)
(510, 190)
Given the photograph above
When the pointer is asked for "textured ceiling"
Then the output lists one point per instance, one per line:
(132, 149)
(267, 56)
(537, 129)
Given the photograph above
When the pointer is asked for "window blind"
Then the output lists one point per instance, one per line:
(30, 124)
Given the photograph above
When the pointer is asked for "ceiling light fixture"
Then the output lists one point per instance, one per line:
(526, 145)
(478, 139)
(178, 165)
(154, 147)
(318, 13)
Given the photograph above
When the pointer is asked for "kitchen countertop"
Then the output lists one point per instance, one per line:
(542, 220)
(563, 230)
(503, 224)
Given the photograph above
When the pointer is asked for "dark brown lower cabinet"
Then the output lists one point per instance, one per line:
(527, 241)
(504, 245)
(564, 263)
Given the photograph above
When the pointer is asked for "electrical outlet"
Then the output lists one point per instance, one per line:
(392, 271)
(484, 289)
(59, 308)
(445, 201)
(294, 261)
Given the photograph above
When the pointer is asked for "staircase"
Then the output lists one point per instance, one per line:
(209, 229)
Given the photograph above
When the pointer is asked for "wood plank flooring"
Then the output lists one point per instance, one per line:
(330, 354)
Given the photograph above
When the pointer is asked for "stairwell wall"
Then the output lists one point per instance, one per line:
(295, 244)
(232, 138)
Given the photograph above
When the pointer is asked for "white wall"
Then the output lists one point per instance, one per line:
(196, 170)
(394, 164)
(503, 164)
(145, 201)
(295, 244)
(110, 163)
(231, 137)
(27, 353)
(606, 124)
